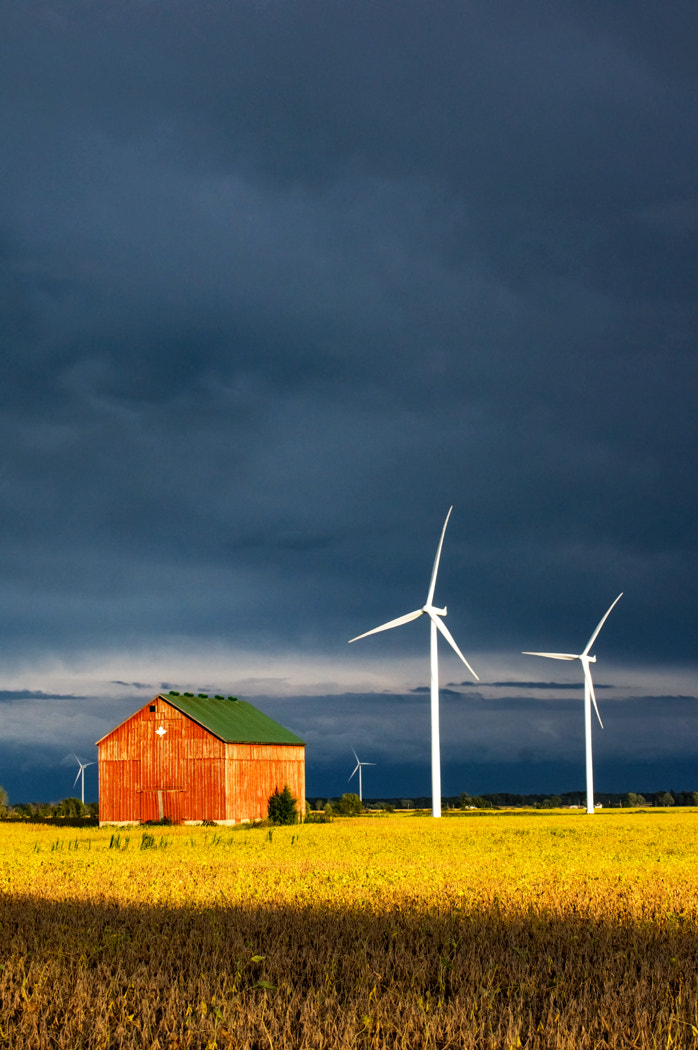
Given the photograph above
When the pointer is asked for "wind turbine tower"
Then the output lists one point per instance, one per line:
(80, 775)
(589, 697)
(358, 766)
(436, 616)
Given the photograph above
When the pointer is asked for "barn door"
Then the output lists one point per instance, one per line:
(167, 772)
(149, 804)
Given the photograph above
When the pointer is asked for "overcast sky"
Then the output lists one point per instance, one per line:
(283, 281)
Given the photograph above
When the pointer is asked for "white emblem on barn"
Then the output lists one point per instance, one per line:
(161, 731)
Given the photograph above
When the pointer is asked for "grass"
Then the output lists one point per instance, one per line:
(490, 931)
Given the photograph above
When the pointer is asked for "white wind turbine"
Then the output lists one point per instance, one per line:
(589, 697)
(358, 766)
(80, 775)
(436, 616)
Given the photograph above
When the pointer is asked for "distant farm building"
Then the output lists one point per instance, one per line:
(193, 758)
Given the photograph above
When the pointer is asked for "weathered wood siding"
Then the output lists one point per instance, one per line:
(187, 773)
(179, 772)
(256, 771)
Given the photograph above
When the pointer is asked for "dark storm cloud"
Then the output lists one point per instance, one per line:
(444, 691)
(489, 745)
(280, 282)
(10, 695)
(537, 685)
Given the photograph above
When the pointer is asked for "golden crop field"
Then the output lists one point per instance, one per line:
(488, 930)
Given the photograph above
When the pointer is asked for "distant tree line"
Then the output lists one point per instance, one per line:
(507, 800)
(68, 812)
(282, 805)
(350, 805)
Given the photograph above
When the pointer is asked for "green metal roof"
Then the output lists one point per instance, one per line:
(234, 721)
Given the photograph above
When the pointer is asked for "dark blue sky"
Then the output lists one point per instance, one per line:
(279, 284)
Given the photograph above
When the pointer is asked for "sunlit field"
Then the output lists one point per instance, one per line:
(480, 930)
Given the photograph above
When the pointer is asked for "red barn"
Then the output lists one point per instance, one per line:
(193, 758)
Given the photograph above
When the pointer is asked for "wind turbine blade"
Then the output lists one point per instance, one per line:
(432, 585)
(77, 777)
(349, 778)
(452, 642)
(590, 684)
(387, 626)
(602, 621)
(554, 656)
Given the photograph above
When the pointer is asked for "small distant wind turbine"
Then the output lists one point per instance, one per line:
(436, 616)
(589, 697)
(80, 775)
(358, 766)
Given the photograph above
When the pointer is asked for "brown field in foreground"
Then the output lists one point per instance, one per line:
(497, 930)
